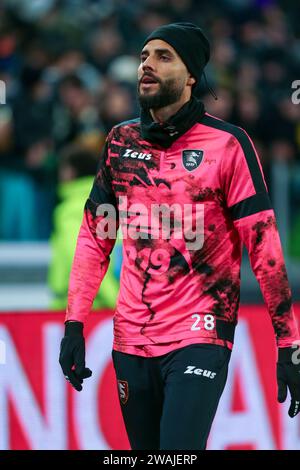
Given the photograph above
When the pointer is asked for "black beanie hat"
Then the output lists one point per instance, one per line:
(189, 42)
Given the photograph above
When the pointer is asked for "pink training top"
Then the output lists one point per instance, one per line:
(174, 292)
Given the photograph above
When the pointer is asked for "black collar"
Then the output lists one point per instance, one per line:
(164, 134)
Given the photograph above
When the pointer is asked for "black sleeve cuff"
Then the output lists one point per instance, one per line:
(73, 328)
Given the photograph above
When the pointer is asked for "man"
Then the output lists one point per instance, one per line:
(178, 302)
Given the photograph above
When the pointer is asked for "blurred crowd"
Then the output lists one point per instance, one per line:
(69, 67)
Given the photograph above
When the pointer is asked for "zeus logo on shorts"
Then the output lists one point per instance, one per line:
(204, 372)
(140, 156)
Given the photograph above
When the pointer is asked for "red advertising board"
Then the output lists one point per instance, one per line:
(39, 409)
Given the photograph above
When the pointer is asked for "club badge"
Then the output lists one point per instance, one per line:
(191, 159)
(123, 391)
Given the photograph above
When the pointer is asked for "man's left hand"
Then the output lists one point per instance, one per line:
(288, 377)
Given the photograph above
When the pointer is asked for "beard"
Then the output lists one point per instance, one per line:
(169, 93)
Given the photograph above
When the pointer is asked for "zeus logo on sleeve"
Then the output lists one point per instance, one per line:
(138, 155)
(204, 372)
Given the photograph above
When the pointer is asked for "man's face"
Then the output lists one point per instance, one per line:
(162, 76)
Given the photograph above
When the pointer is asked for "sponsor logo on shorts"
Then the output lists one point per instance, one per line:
(123, 391)
(204, 372)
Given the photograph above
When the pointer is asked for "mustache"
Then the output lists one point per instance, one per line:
(149, 75)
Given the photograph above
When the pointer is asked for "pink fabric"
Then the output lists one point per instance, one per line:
(167, 289)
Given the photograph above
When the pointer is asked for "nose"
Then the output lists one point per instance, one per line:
(148, 63)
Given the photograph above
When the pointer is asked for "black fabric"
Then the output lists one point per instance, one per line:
(190, 43)
(164, 134)
(73, 328)
(251, 205)
(72, 355)
(164, 407)
(288, 377)
(225, 330)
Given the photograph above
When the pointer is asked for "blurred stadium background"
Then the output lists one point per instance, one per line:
(69, 69)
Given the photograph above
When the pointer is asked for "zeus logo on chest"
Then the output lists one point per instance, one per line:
(129, 153)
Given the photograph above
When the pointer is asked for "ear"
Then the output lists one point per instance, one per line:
(191, 81)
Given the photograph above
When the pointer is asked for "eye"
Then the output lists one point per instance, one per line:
(165, 58)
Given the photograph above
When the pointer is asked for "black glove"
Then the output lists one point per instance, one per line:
(288, 376)
(72, 355)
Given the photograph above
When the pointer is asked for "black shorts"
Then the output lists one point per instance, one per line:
(169, 402)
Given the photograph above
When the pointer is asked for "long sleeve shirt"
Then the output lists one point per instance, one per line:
(183, 289)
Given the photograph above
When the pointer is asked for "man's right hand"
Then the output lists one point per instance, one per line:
(72, 355)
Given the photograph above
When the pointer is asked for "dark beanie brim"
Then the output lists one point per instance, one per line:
(190, 43)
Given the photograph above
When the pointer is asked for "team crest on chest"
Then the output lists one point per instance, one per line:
(191, 159)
